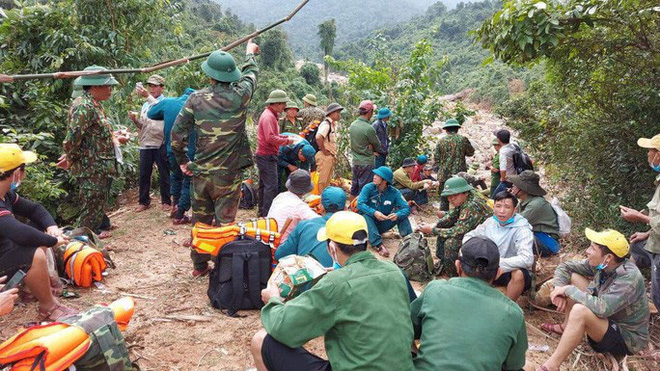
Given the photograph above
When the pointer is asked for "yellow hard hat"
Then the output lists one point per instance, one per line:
(652, 143)
(614, 240)
(12, 156)
(342, 226)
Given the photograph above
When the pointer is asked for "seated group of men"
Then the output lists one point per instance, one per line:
(363, 298)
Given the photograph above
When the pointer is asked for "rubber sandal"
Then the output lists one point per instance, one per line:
(382, 251)
(552, 328)
(184, 220)
(55, 313)
(201, 273)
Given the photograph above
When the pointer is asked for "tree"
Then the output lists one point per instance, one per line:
(311, 73)
(602, 91)
(327, 33)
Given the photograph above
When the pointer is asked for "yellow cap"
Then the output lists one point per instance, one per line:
(653, 143)
(11, 157)
(341, 228)
(614, 240)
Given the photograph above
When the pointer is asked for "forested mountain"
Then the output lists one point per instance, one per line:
(354, 18)
(448, 31)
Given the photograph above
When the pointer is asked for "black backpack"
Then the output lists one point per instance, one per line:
(248, 196)
(242, 269)
(521, 160)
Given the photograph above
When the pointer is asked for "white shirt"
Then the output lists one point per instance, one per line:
(289, 205)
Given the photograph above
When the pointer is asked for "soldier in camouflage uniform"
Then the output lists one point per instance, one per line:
(217, 115)
(469, 210)
(450, 153)
(91, 150)
(604, 297)
(311, 117)
(290, 123)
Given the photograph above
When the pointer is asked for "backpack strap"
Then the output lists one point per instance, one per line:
(237, 265)
(40, 362)
(254, 279)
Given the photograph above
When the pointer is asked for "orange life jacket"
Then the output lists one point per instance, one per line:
(83, 264)
(207, 239)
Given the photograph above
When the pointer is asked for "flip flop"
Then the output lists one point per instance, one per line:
(105, 234)
(553, 328)
(55, 313)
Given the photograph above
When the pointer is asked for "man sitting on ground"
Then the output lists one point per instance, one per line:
(467, 212)
(289, 204)
(514, 238)
(420, 163)
(453, 318)
(302, 241)
(383, 207)
(537, 210)
(362, 310)
(410, 190)
(604, 297)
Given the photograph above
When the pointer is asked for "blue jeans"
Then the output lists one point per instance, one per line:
(179, 187)
(376, 228)
(501, 187)
(645, 259)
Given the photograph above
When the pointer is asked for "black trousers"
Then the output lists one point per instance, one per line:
(268, 182)
(147, 159)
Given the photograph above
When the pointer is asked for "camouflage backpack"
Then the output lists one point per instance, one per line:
(108, 351)
(414, 258)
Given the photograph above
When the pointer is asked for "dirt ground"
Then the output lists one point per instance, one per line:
(175, 328)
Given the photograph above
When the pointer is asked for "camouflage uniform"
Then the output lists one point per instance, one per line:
(308, 116)
(108, 349)
(451, 228)
(217, 114)
(90, 149)
(619, 296)
(450, 153)
(287, 126)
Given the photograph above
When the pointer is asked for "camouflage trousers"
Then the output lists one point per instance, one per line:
(214, 196)
(93, 196)
(446, 249)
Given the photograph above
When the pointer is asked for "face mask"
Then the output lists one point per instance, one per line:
(504, 223)
(14, 184)
(602, 266)
(655, 168)
(333, 255)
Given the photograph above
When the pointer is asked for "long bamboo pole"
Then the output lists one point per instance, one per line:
(159, 66)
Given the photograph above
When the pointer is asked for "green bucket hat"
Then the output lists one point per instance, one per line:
(221, 66)
(277, 96)
(77, 89)
(291, 104)
(455, 185)
(528, 182)
(95, 80)
(451, 123)
(310, 99)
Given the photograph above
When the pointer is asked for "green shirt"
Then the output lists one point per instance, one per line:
(450, 153)
(364, 142)
(464, 324)
(619, 295)
(402, 180)
(540, 214)
(495, 175)
(362, 309)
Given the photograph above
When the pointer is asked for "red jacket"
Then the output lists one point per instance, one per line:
(416, 174)
(269, 139)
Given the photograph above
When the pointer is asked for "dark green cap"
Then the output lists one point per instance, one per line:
(221, 66)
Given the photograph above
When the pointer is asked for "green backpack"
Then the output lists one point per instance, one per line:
(414, 258)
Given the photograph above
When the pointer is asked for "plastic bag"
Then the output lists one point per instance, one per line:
(562, 218)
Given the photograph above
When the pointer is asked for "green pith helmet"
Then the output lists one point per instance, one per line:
(77, 89)
(291, 104)
(95, 80)
(451, 123)
(455, 185)
(277, 96)
(310, 99)
(221, 66)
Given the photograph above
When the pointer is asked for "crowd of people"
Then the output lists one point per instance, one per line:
(364, 306)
